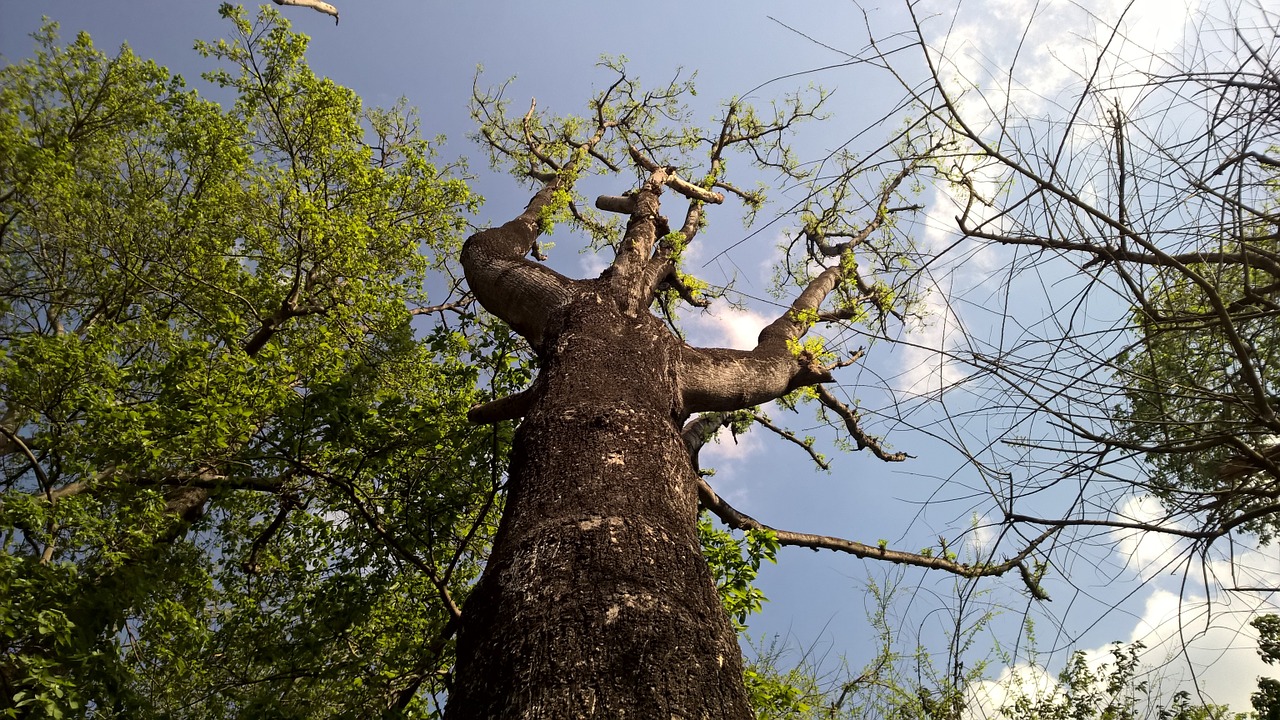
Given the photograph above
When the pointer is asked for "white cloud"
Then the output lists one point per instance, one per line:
(1147, 553)
(729, 455)
(981, 537)
(592, 264)
(1210, 641)
(926, 369)
(1057, 46)
(987, 697)
(724, 326)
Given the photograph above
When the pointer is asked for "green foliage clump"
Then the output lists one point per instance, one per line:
(735, 562)
(1191, 397)
(232, 480)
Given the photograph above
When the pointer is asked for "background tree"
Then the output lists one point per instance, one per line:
(1266, 701)
(234, 481)
(1112, 242)
(1157, 191)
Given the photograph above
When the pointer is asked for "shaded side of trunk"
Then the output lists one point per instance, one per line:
(596, 601)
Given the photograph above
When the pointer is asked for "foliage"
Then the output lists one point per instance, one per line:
(735, 562)
(780, 693)
(1189, 392)
(234, 481)
(1114, 690)
(1109, 691)
(1266, 701)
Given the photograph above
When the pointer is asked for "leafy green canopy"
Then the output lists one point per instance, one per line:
(233, 477)
(1201, 386)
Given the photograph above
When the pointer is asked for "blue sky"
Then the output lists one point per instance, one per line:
(428, 52)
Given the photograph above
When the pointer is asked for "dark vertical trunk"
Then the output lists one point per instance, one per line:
(596, 601)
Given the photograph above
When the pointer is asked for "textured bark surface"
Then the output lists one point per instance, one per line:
(597, 601)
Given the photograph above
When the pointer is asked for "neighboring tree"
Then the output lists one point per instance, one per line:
(234, 482)
(1149, 204)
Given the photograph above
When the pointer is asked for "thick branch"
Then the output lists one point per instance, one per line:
(632, 275)
(621, 204)
(519, 292)
(510, 407)
(796, 321)
(699, 431)
(674, 181)
(722, 379)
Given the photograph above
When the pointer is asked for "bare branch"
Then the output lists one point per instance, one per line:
(739, 521)
(445, 307)
(317, 5)
(860, 436)
(807, 445)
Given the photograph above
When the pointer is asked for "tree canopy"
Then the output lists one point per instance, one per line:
(232, 469)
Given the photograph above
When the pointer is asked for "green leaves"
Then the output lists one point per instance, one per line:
(1200, 387)
(734, 564)
(230, 475)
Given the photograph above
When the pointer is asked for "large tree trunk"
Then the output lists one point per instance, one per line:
(597, 601)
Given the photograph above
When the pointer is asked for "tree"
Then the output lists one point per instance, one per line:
(1148, 201)
(595, 599)
(234, 481)
(1266, 701)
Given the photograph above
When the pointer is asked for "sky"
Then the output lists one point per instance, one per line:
(1116, 587)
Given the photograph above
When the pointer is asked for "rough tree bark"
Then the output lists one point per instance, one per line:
(596, 601)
